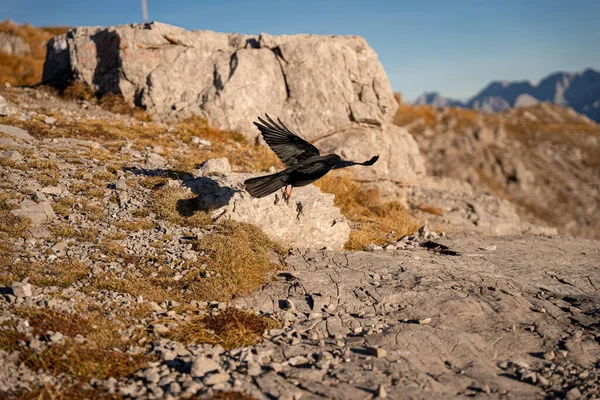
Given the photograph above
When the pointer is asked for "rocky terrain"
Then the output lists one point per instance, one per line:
(578, 90)
(133, 264)
(543, 159)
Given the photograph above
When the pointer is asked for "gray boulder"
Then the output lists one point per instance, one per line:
(320, 86)
(359, 143)
(310, 220)
(39, 213)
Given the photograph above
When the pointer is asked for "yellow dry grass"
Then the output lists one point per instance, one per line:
(13, 225)
(101, 356)
(243, 257)
(26, 70)
(407, 113)
(374, 221)
(231, 328)
(60, 273)
(234, 260)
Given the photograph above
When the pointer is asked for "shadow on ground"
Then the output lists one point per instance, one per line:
(210, 194)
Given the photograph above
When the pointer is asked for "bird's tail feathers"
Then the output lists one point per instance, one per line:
(264, 185)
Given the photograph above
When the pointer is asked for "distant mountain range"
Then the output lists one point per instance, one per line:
(579, 90)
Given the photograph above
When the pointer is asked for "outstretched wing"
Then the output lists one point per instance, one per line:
(289, 147)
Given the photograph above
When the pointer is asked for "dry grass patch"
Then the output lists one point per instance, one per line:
(47, 179)
(153, 182)
(76, 90)
(13, 225)
(64, 230)
(87, 189)
(116, 103)
(93, 211)
(26, 70)
(238, 258)
(101, 356)
(177, 206)
(9, 200)
(63, 206)
(241, 254)
(232, 395)
(83, 360)
(407, 113)
(113, 133)
(231, 328)
(60, 273)
(374, 221)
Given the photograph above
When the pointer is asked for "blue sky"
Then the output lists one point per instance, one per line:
(455, 47)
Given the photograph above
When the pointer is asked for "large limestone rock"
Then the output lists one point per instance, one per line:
(310, 220)
(359, 143)
(320, 86)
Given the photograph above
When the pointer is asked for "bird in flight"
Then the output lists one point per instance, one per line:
(303, 161)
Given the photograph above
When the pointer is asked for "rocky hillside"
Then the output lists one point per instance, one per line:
(134, 265)
(578, 90)
(23, 52)
(544, 159)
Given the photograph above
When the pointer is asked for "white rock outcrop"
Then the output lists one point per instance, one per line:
(310, 220)
(320, 86)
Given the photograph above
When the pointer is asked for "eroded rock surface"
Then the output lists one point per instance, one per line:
(426, 325)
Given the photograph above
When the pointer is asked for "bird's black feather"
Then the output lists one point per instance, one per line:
(289, 147)
(264, 185)
(303, 160)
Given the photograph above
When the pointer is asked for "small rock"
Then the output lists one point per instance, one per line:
(376, 352)
(522, 364)
(152, 377)
(155, 160)
(254, 369)
(549, 355)
(573, 394)
(381, 393)
(298, 360)
(16, 133)
(22, 289)
(38, 213)
(160, 329)
(49, 120)
(214, 379)
(425, 321)
(60, 246)
(56, 337)
(121, 185)
(12, 155)
(203, 365)
(214, 166)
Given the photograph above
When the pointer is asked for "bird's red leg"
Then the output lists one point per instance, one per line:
(286, 195)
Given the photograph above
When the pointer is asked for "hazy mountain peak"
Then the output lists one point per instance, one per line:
(579, 90)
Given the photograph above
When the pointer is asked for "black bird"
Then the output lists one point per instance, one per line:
(303, 161)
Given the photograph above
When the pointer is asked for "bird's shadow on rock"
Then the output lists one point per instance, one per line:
(210, 194)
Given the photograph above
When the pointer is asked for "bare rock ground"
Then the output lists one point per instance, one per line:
(512, 316)
(428, 316)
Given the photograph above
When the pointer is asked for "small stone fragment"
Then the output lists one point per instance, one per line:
(203, 365)
(22, 289)
(376, 352)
